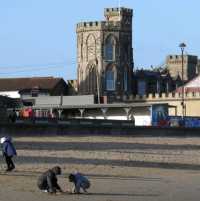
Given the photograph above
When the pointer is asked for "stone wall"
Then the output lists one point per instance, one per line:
(92, 127)
(192, 102)
(174, 65)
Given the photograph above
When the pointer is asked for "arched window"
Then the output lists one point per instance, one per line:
(125, 80)
(91, 79)
(110, 47)
(91, 47)
(110, 80)
(126, 51)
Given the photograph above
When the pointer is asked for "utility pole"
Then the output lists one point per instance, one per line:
(182, 46)
(97, 75)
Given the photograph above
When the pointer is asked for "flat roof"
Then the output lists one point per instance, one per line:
(93, 106)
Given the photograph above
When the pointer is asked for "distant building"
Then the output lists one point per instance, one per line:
(27, 89)
(105, 62)
(193, 86)
(190, 66)
(105, 55)
(148, 81)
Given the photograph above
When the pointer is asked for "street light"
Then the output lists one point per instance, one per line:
(182, 46)
(97, 76)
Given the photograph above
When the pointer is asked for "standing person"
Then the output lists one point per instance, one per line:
(48, 180)
(9, 151)
(13, 116)
(80, 182)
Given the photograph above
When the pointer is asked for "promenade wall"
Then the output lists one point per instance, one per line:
(91, 127)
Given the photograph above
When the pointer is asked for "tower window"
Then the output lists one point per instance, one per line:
(91, 47)
(125, 80)
(110, 80)
(91, 79)
(110, 49)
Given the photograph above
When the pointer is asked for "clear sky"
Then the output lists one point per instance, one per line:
(38, 37)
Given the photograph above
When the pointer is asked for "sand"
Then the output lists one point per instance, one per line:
(120, 167)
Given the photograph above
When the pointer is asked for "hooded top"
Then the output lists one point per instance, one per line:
(80, 181)
(8, 147)
(6, 138)
(3, 139)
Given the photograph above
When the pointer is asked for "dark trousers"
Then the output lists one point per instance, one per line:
(9, 162)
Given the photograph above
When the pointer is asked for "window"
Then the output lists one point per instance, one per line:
(34, 93)
(141, 89)
(91, 47)
(125, 80)
(91, 79)
(110, 80)
(126, 51)
(110, 49)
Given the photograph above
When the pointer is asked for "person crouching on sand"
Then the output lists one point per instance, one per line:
(80, 182)
(48, 181)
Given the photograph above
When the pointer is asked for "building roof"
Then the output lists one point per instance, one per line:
(95, 106)
(191, 86)
(64, 100)
(16, 84)
(144, 73)
(195, 82)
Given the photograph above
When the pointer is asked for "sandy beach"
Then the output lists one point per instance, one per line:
(120, 167)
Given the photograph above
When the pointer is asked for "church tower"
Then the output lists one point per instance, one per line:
(105, 55)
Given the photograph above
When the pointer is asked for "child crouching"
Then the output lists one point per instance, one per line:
(80, 182)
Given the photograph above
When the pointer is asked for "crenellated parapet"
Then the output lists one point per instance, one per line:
(163, 97)
(88, 24)
(121, 9)
(98, 25)
(116, 19)
(117, 11)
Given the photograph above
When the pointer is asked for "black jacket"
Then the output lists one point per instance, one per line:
(48, 181)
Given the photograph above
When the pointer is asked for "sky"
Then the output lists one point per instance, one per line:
(38, 37)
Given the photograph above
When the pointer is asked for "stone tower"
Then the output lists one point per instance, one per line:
(105, 55)
(190, 66)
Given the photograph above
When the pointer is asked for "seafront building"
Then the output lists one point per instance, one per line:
(107, 79)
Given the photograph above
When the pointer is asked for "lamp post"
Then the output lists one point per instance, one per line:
(97, 76)
(182, 46)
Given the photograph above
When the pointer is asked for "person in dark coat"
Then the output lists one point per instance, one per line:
(9, 151)
(13, 116)
(48, 180)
